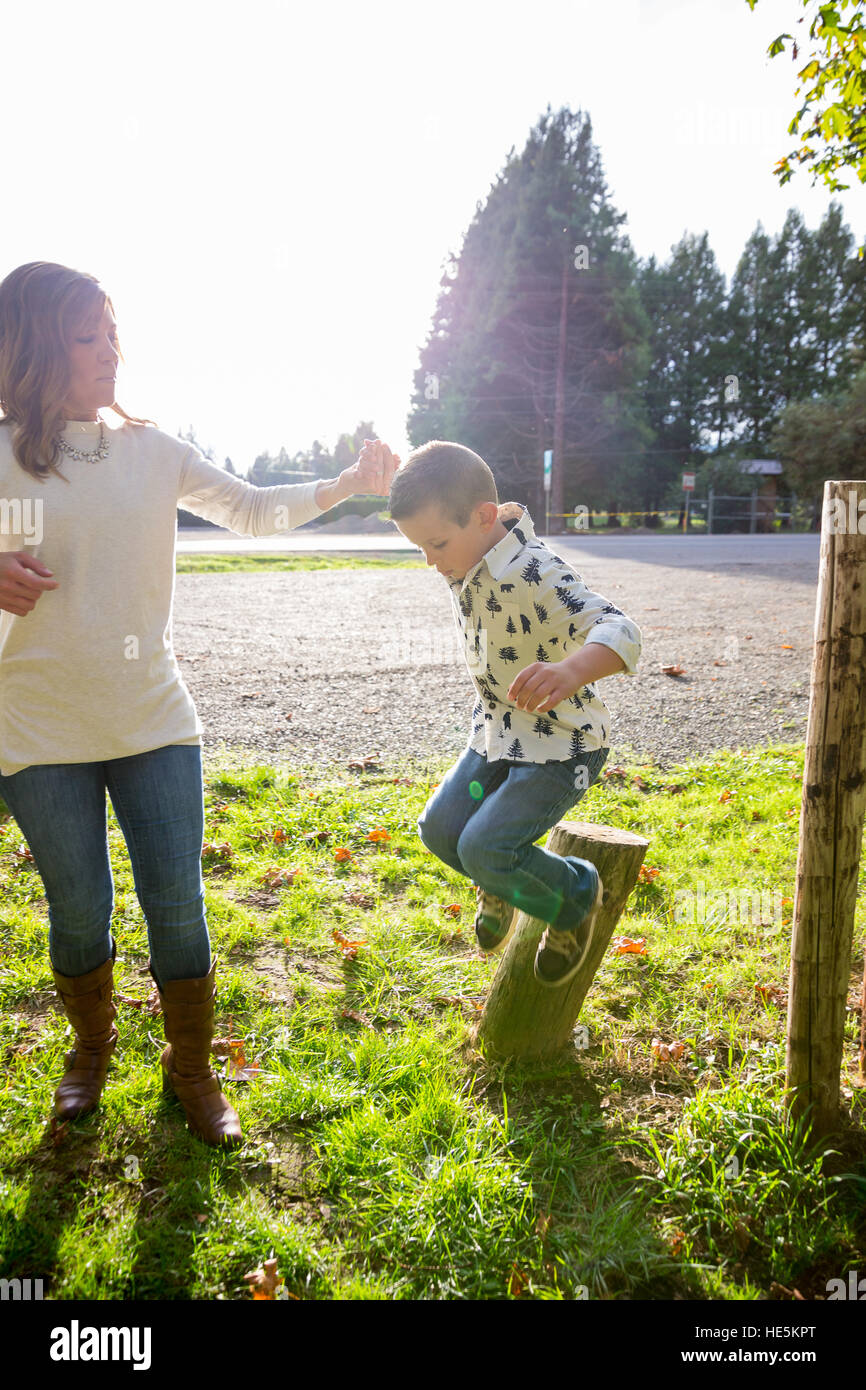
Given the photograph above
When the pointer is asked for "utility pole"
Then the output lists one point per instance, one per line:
(557, 491)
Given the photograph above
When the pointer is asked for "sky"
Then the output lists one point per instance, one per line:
(269, 192)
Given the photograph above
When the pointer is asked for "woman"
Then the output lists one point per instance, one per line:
(91, 696)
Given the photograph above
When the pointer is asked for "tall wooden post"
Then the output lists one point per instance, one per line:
(523, 1018)
(832, 812)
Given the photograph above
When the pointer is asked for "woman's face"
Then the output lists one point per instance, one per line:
(93, 360)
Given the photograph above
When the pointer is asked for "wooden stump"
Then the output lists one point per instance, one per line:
(831, 815)
(523, 1018)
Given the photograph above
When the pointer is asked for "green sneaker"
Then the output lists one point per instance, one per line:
(494, 922)
(561, 953)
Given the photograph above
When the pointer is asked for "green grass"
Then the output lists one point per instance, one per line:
(191, 563)
(386, 1157)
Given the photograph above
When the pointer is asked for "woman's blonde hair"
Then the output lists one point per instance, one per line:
(42, 307)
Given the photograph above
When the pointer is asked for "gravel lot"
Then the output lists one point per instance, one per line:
(332, 666)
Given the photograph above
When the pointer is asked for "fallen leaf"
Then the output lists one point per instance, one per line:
(277, 877)
(624, 945)
(454, 909)
(342, 854)
(772, 994)
(377, 835)
(726, 795)
(360, 900)
(348, 948)
(58, 1131)
(128, 999)
(668, 1052)
(265, 1280)
(356, 1017)
(646, 875)
(280, 835)
(517, 1282)
(673, 670)
(317, 837)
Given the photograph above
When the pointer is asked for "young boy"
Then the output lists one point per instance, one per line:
(536, 641)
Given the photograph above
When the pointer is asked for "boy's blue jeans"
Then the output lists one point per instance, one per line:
(158, 798)
(483, 819)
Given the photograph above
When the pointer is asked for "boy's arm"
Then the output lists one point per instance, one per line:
(596, 638)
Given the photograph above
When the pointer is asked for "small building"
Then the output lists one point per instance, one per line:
(764, 473)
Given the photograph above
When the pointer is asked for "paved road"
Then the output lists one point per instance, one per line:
(800, 552)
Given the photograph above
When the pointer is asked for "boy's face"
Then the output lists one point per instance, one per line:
(453, 549)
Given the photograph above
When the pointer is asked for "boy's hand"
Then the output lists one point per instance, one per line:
(537, 688)
(373, 470)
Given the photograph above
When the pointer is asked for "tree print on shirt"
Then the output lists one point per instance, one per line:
(508, 654)
(516, 750)
(568, 601)
(493, 605)
(466, 602)
(542, 727)
(577, 740)
(509, 626)
(540, 612)
(541, 654)
(532, 573)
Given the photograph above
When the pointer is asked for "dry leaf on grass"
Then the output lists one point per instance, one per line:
(360, 900)
(356, 1017)
(317, 837)
(646, 874)
(348, 948)
(668, 1052)
(265, 1280)
(772, 994)
(279, 878)
(624, 945)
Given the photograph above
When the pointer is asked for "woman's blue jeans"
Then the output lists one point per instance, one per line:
(158, 798)
(484, 816)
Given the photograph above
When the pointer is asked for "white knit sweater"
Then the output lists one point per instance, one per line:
(90, 673)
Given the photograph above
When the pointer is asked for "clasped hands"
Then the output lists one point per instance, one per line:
(373, 470)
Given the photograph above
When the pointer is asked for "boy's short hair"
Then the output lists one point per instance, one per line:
(442, 472)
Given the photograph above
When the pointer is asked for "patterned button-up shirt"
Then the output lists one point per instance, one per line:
(522, 603)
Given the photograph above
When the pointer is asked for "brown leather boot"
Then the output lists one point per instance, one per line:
(87, 1001)
(188, 1010)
